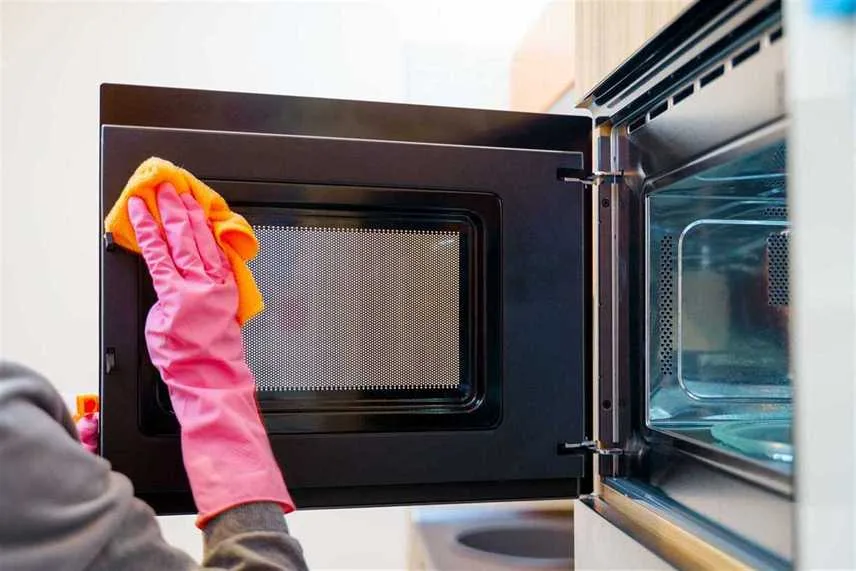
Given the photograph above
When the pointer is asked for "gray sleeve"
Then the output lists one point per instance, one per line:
(254, 535)
(64, 508)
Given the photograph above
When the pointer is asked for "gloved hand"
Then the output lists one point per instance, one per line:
(194, 340)
(87, 429)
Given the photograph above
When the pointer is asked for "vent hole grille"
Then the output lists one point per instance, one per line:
(666, 299)
(778, 269)
(775, 212)
(356, 309)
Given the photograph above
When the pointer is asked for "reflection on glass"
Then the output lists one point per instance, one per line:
(719, 367)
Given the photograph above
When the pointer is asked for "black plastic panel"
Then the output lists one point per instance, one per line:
(475, 404)
(539, 338)
(181, 502)
(290, 115)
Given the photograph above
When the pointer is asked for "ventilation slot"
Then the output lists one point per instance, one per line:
(356, 309)
(712, 75)
(636, 123)
(746, 54)
(658, 110)
(776, 36)
(778, 264)
(666, 305)
(683, 94)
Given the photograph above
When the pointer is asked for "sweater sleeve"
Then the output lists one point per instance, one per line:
(64, 508)
(254, 535)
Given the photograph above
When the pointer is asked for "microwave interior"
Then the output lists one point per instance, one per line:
(694, 280)
(704, 154)
(717, 293)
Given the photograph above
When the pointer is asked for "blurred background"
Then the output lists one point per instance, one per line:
(529, 55)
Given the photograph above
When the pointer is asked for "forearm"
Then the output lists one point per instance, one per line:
(64, 508)
(253, 535)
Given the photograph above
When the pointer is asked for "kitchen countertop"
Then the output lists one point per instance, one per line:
(434, 533)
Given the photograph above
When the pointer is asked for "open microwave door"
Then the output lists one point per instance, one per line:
(426, 336)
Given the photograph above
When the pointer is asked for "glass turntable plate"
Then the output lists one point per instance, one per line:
(766, 438)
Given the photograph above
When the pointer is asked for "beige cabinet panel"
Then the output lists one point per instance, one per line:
(575, 43)
(599, 545)
(608, 31)
(543, 66)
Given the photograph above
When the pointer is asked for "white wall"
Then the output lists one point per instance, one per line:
(55, 56)
(822, 102)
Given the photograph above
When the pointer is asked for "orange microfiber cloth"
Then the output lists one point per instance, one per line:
(234, 235)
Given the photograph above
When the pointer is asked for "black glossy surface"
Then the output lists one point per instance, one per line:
(289, 115)
(540, 339)
(168, 502)
(477, 403)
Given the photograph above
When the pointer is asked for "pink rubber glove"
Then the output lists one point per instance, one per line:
(195, 342)
(87, 429)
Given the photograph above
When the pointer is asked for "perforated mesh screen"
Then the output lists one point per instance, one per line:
(778, 269)
(775, 212)
(356, 309)
(666, 305)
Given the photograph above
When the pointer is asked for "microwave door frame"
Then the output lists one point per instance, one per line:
(612, 237)
(724, 488)
(502, 167)
(627, 446)
(620, 322)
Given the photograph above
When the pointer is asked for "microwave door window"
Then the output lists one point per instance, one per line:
(372, 321)
(356, 309)
(375, 317)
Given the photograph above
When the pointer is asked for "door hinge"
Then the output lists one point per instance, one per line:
(588, 446)
(589, 179)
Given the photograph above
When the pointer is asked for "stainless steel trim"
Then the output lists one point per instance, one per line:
(616, 308)
(739, 101)
(663, 539)
(751, 471)
(606, 334)
(595, 324)
(647, 318)
(684, 54)
(680, 535)
(749, 503)
(611, 242)
(749, 142)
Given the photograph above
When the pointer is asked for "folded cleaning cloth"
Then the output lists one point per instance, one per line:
(234, 235)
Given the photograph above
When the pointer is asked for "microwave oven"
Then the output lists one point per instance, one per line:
(467, 305)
